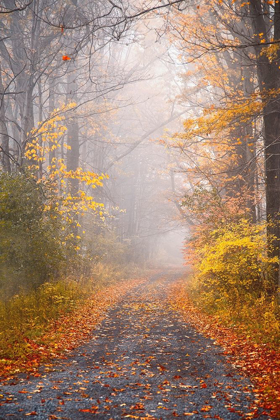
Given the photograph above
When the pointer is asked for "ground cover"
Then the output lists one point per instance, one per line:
(142, 361)
(36, 332)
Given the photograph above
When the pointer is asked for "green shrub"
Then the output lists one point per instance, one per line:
(31, 252)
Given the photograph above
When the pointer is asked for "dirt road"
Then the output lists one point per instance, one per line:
(143, 362)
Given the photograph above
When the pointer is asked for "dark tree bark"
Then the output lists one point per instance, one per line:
(269, 83)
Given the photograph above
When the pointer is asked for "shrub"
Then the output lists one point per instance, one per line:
(233, 264)
(31, 252)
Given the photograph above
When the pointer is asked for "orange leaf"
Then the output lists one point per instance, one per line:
(206, 408)
(66, 58)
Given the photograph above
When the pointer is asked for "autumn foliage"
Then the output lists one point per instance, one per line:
(47, 138)
(233, 264)
(231, 295)
(226, 152)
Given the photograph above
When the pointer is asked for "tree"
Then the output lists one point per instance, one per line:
(61, 74)
(233, 39)
(264, 17)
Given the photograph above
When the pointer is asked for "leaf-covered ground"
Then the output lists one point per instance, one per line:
(143, 362)
(259, 361)
(63, 334)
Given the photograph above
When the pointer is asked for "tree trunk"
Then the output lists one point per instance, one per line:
(51, 109)
(269, 82)
(5, 155)
(73, 154)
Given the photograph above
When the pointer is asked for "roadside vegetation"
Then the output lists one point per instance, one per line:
(46, 281)
(234, 279)
(228, 154)
(231, 294)
(48, 322)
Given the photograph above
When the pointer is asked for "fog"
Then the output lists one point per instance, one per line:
(100, 99)
(142, 168)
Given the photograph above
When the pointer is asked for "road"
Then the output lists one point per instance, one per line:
(143, 362)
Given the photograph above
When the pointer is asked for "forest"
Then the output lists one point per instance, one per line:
(138, 138)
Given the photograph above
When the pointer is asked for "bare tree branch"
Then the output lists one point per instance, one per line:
(19, 8)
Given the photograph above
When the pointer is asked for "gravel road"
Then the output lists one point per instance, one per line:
(143, 362)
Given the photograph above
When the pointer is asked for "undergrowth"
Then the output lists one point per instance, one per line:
(234, 278)
(27, 317)
(258, 317)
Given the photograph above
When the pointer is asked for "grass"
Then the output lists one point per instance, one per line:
(42, 323)
(26, 316)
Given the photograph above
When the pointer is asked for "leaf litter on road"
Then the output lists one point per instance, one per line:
(257, 361)
(143, 361)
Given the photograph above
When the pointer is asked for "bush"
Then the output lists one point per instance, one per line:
(234, 264)
(31, 252)
(105, 247)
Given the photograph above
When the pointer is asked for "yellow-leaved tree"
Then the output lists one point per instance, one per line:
(53, 173)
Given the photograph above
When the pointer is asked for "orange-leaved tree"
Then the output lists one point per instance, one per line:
(232, 48)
